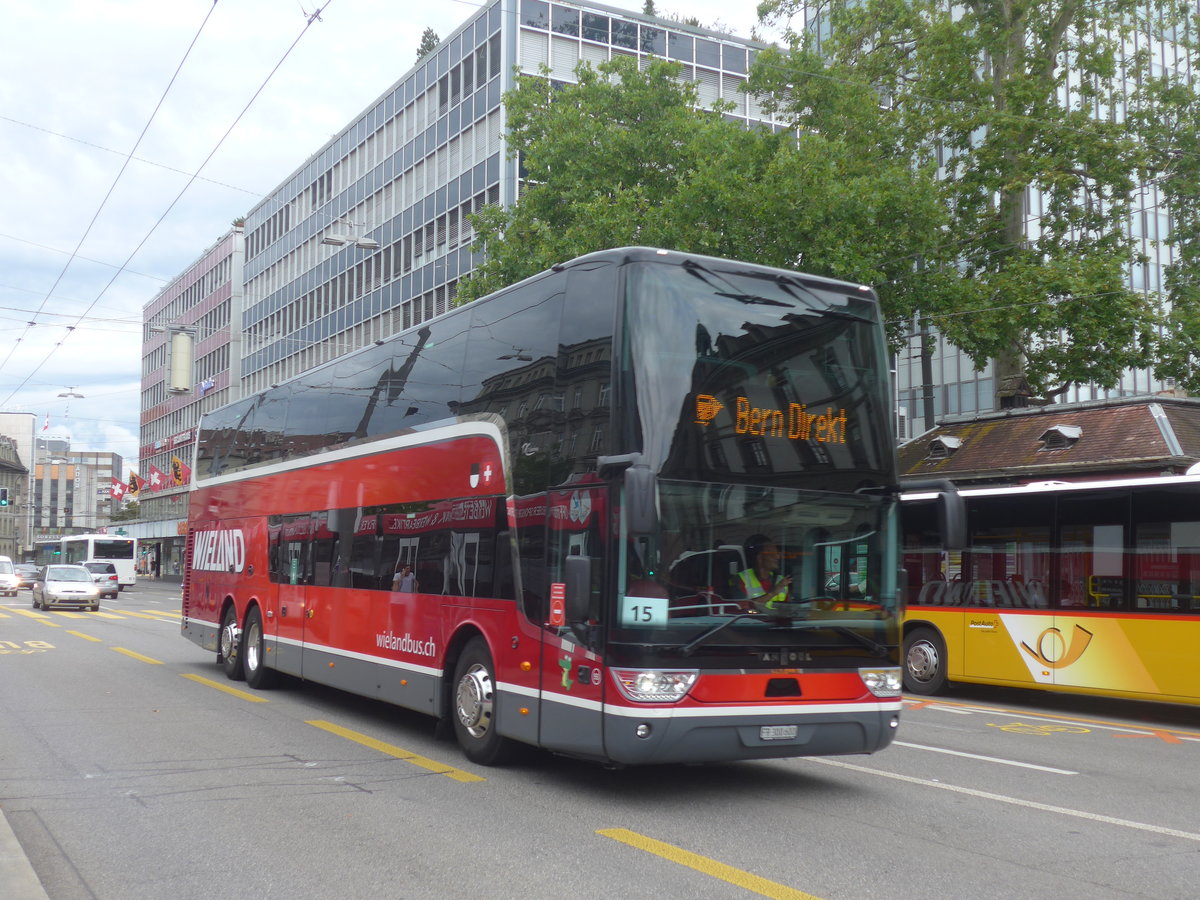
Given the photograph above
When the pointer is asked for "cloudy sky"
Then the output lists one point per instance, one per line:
(133, 132)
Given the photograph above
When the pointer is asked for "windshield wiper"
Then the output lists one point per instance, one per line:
(751, 298)
(876, 648)
(688, 648)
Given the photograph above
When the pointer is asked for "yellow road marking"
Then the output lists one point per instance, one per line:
(86, 637)
(208, 682)
(398, 752)
(104, 615)
(37, 617)
(138, 615)
(706, 866)
(163, 613)
(145, 659)
(69, 615)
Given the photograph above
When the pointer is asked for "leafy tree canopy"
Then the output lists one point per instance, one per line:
(128, 512)
(623, 157)
(1032, 269)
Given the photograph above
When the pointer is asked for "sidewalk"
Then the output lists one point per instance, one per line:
(17, 878)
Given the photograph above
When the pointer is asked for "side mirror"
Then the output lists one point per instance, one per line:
(578, 572)
(951, 511)
(641, 490)
(952, 520)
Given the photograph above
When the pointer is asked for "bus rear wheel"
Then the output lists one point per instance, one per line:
(924, 661)
(229, 647)
(474, 711)
(258, 676)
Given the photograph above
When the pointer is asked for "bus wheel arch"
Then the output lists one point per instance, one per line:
(229, 643)
(472, 708)
(925, 661)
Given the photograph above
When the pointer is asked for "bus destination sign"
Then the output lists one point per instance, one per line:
(795, 422)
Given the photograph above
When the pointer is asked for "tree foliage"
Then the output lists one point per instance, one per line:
(624, 157)
(1175, 131)
(429, 40)
(128, 512)
(1034, 262)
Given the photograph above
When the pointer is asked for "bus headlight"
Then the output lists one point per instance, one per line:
(655, 685)
(882, 682)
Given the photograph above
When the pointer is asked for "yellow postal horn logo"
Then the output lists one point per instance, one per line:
(707, 407)
(1080, 639)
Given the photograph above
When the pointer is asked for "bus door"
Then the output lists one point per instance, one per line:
(1081, 650)
(291, 569)
(572, 682)
(1005, 589)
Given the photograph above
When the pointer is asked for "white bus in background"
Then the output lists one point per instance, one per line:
(110, 548)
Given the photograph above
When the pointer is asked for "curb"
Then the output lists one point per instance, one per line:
(17, 877)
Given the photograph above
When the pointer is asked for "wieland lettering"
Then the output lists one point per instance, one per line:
(219, 551)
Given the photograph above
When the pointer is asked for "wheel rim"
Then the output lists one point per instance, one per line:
(922, 661)
(476, 700)
(229, 639)
(253, 646)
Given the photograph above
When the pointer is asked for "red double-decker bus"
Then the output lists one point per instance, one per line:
(647, 498)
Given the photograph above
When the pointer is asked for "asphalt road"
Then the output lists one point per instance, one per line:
(130, 768)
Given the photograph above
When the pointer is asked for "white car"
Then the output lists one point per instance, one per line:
(10, 583)
(62, 585)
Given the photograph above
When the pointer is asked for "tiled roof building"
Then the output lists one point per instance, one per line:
(1068, 442)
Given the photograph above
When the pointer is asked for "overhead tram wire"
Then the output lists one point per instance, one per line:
(112, 187)
(314, 17)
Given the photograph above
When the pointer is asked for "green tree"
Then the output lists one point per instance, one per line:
(429, 40)
(624, 157)
(128, 512)
(977, 87)
(1176, 140)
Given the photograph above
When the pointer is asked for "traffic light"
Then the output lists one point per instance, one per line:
(3, 496)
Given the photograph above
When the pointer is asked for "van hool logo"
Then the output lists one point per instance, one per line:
(219, 551)
(1054, 652)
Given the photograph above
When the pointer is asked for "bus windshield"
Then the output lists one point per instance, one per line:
(761, 398)
(786, 567)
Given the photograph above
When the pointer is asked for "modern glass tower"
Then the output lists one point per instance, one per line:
(371, 234)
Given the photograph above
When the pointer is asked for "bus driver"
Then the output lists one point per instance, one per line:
(761, 581)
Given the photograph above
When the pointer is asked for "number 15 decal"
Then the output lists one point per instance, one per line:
(644, 611)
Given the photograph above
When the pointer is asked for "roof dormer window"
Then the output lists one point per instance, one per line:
(1060, 437)
(943, 447)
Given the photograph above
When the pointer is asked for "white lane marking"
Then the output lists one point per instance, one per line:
(994, 759)
(1014, 801)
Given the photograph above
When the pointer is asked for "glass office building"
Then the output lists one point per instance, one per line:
(371, 234)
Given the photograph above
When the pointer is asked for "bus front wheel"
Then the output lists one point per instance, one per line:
(475, 707)
(924, 661)
(254, 660)
(229, 652)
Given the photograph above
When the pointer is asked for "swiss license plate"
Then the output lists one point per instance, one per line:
(777, 732)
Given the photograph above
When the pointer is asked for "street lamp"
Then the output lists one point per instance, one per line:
(69, 393)
(338, 240)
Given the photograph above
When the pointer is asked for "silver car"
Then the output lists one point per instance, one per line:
(65, 586)
(105, 576)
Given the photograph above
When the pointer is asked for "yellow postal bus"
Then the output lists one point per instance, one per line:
(1091, 587)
